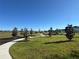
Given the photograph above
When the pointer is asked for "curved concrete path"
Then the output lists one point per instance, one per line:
(4, 49)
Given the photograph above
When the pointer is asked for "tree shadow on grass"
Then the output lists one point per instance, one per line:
(76, 37)
(59, 41)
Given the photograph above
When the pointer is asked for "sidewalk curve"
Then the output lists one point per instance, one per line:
(4, 49)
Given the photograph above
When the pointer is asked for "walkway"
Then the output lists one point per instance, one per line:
(4, 49)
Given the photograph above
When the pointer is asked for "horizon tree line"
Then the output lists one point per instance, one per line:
(26, 33)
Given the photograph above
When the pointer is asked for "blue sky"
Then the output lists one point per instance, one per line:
(37, 14)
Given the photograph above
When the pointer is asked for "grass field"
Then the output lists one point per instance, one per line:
(5, 35)
(55, 47)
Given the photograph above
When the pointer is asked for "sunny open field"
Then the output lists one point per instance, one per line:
(55, 47)
(5, 35)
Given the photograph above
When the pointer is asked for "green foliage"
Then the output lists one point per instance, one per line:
(69, 32)
(31, 32)
(22, 32)
(57, 31)
(14, 32)
(26, 33)
(50, 32)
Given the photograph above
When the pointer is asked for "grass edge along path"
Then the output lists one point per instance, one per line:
(4, 49)
(56, 47)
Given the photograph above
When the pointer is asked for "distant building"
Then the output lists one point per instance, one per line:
(76, 28)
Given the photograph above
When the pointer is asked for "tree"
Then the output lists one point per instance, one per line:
(39, 31)
(14, 32)
(56, 31)
(69, 32)
(50, 32)
(26, 33)
(31, 32)
(22, 32)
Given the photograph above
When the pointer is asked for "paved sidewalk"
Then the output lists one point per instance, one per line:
(4, 49)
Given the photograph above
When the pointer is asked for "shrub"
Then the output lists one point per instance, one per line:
(69, 32)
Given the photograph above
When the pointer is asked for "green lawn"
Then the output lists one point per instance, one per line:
(55, 47)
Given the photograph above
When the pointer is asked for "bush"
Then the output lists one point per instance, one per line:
(69, 32)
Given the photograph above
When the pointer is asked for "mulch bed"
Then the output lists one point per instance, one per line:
(5, 40)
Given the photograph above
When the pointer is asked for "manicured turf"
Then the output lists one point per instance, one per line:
(55, 47)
